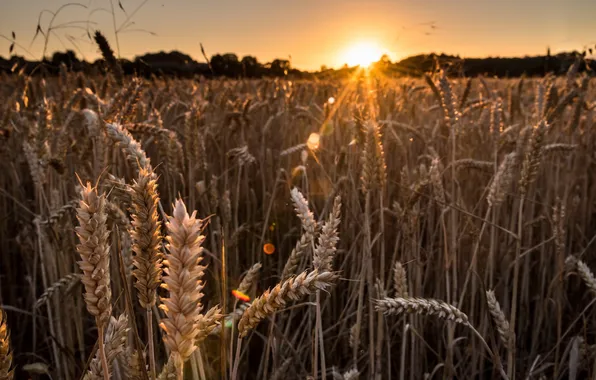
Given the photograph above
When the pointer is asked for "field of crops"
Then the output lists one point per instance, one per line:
(370, 228)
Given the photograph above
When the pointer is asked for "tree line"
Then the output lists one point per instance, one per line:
(230, 65)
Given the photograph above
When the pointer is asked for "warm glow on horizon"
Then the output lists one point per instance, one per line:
(362, 54)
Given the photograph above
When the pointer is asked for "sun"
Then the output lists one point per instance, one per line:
(362, 54)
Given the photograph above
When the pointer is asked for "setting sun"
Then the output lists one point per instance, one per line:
(362, 54)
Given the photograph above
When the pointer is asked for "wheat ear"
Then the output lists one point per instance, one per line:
(582, 270)
(328, 238)
(303, 211)
(499, 317)
(146, 238)
(250, 278)
(95, 254)
(67, 282)
(131, 366)
(351, 374)
(374, 168)
(5, 353)
(533, 157)
(275, 299)
(423, 306)
(207, 323)
(95, 261)
(400, 280)
(118, 134)
(440, 309)
(502, 180)
(108, 55)
(309, 226)
(183, 282)
(115, 339)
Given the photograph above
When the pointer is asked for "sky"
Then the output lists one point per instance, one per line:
(311, 32)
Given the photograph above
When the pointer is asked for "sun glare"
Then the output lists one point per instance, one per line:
(362, 54)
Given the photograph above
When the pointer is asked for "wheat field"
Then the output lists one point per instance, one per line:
(372, 228)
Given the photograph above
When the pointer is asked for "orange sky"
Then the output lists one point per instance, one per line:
(313, 32)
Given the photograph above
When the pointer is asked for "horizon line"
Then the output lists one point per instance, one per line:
(201, 60)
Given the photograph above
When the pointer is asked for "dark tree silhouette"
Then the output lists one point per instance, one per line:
(179, 64)
(226, 64)
(279, 67)
(69, 58)
(250, 66)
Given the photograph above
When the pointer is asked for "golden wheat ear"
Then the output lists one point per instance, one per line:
(146, 237)
(6, 373)
(275, 299)
(309, 225)
(328, 238)
(95, 262)
(184, 325)
(95, 254)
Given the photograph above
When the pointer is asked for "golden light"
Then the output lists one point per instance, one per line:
(241, 296)
(313, 141)
(362, 54)
(269, 249)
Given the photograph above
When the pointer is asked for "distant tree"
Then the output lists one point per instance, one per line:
(385, 59)
(383, 63)
(68, 58)
(280, 67)
(233, 67)
(324, 68)
(250, 66)
(227, 65)
(218, 64)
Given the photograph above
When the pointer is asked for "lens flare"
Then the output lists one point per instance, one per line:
(241, 296)
(269, 249)
(314, 141)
